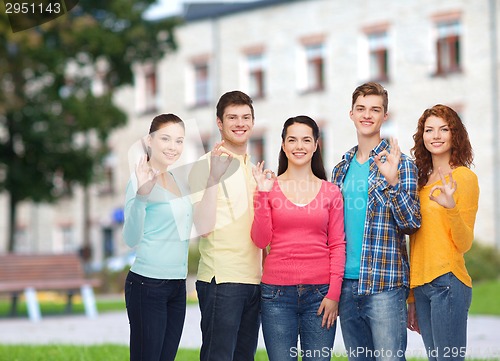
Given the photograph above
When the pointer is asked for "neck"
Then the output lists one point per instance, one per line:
(157, 166)
(240, 149)
(365, 146)
(441, 161)
(299, 173)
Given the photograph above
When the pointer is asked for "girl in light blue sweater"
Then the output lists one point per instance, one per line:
(158, 219)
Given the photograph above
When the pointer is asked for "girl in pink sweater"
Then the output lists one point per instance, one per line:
(299, 215)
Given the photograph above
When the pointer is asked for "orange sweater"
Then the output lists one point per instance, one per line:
(438, 247)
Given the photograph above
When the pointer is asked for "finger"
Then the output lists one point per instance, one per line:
(453, 183)
(218, 145)
(441, 175)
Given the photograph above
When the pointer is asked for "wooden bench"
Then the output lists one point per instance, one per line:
(21, 273)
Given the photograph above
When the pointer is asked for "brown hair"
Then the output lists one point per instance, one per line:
(371, 88)
(461, 149)
(317, 161)
(158, 122)
(234, 97)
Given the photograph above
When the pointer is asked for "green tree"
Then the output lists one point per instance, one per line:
(53, 125)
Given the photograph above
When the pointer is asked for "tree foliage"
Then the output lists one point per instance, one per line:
(53, 124)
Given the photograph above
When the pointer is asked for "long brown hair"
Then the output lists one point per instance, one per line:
(461, 149)
(317, 161)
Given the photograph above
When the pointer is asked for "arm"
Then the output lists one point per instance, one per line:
(262, 226)
(462, 217)
(336, 246)
(405, 203)
(205, 178)
(135, 214)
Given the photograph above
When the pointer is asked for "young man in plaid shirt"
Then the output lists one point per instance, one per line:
(381, 205)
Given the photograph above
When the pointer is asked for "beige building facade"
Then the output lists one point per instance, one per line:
(297, 57)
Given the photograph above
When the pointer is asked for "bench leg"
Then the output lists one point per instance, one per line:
(13, 304)
(32, 304)
(89, 301)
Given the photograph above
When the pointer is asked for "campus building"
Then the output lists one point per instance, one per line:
(298, 57)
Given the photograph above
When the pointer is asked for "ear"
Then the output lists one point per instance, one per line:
(386, 116)
(219, 123)
(148, 140)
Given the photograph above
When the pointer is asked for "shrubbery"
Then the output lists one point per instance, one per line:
(483, 262)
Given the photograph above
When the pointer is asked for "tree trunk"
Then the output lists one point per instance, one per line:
(12, 224)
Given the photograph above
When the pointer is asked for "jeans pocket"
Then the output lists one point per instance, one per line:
(322, 290)
(443, 281)
(268, 292)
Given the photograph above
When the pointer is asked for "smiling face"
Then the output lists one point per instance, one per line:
(299, 144)
(236, 127)
(368, 115)
(437, 136)
(166, 145)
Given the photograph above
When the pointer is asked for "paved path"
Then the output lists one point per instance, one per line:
(112, 327)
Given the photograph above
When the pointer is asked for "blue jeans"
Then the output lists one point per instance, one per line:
(373, 326)
(290, 311)
(442, 307)
(156, 310)
(230, 320)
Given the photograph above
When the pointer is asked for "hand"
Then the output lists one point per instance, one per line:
(264, 178)
(412, 318)
(330, 310)
(388, 162)
(146, 176)
(218, 163)
(447, 189)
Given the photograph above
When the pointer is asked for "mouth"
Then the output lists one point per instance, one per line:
(299, 154)
(239, 132)
(437, 144)
(366, 123)
(170, 155)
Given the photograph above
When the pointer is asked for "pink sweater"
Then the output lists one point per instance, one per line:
(307, 243)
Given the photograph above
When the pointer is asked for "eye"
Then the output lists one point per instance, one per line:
(180, 141)
(428, 130)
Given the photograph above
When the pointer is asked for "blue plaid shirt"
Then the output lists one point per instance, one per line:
(391, 213)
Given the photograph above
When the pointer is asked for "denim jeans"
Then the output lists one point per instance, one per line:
(156, 310)
(290, 311)
(230, 320)
(373, 326)
(442, 307)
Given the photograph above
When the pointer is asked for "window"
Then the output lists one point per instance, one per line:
(257, 151)
(255, 63)
(201, 84)
(315, 67)
(107, 172)
(151, 90)
(448, 47)
(378, 48)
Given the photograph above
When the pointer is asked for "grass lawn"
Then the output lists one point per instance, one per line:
(485, 296)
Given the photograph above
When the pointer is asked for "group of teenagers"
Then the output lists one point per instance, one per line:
(293, 251)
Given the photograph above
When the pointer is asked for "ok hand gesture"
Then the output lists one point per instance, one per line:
(447, 189)
(264, 178)
(388, 162)
(219, 163)
(146, 176)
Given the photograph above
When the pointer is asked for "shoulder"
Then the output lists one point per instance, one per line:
(330, 188)
(465, 175)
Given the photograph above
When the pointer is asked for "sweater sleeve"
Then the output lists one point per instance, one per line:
(262, 226)
(463, 216)
(336, 245)
(135, 213)
(405, 203)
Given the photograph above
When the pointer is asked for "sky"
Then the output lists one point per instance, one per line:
(171, 7)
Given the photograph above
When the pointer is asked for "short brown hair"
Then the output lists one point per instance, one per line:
(371, 88)
(234, 97)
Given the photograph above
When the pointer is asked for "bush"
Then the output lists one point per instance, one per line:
(483, 262)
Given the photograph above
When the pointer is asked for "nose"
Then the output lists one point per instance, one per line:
(436, 135)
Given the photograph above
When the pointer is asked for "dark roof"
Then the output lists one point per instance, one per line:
(205, 10)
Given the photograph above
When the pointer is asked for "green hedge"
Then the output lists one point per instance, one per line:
(483, 262)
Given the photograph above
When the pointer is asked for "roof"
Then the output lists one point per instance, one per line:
(205, 10)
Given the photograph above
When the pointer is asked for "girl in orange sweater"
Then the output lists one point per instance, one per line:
(441, 287)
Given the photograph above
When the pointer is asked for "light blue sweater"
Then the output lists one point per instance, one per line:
(158, 225)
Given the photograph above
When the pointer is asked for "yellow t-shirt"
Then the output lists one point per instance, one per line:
(445, 235)
(228, 253)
